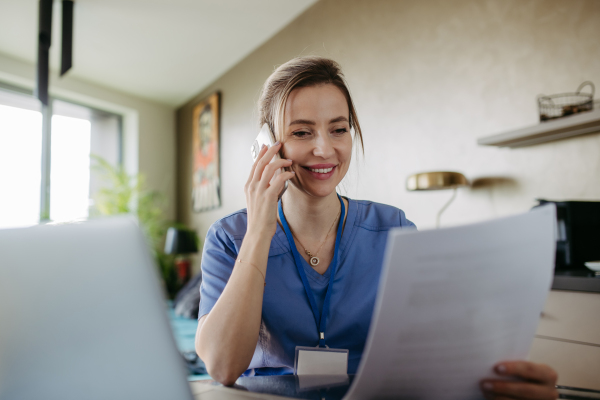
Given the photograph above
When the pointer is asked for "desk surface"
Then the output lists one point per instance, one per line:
(276, 387)
(286, 387)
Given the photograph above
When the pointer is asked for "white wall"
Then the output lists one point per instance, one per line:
(428, 78)
(149, 127)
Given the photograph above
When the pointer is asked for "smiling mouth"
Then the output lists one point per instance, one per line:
(320, 170)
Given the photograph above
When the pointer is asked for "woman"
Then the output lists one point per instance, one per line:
(261, 265)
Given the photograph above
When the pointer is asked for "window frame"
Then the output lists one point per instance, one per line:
(47, 113)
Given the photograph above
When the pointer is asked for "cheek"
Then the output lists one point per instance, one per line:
(345, 150)
(294, 151)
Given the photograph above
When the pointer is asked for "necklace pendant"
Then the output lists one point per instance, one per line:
(312, 260)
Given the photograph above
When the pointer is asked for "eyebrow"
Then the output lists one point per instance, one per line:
(338, 119)
(309, 122)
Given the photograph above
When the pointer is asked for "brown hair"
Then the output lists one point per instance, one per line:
(296, 73)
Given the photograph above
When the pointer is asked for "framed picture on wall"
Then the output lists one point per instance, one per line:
(206, 187)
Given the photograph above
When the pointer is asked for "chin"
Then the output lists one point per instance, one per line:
(315, 190)
(321, 192)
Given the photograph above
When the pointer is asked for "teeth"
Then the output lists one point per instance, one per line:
(321, 170)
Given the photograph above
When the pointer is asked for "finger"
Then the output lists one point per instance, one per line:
(265, 159)
(519, 390)
(279, 181)
(261, 152)
(270, 171)
(527, 370)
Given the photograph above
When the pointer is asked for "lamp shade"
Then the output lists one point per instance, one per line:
(439, 180)
(180, 241)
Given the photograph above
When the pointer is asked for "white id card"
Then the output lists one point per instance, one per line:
(320, 361)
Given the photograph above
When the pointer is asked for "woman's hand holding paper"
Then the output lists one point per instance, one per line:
(535, 381)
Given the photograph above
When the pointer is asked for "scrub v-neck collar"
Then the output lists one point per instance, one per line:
(346, 237)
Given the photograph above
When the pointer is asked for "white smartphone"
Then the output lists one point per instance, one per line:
(266, 137)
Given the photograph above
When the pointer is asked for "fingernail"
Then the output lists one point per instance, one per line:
(487, 386)
(263, 146)
(293, 173)
(277, 143)
(289, 160)
(500, 368)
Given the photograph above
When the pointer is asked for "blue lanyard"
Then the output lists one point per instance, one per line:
(320, 317)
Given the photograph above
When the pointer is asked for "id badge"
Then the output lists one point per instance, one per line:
(320, 361)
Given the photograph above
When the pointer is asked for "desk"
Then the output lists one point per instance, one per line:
(275, 387)
(203, 391)
(209, 390)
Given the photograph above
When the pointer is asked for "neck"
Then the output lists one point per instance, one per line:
(308, 215)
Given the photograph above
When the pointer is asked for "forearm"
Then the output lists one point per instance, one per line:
(227, 338)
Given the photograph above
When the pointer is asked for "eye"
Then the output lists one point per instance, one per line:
(300, 133)
(340, 131)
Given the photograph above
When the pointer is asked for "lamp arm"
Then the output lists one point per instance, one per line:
(439, 214)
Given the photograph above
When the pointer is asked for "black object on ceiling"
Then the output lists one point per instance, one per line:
(67, 37)
(45, 41)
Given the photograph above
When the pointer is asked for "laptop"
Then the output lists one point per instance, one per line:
(82, 316)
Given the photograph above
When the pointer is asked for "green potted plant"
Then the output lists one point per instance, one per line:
(125, 194)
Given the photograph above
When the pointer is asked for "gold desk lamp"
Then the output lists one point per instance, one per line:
(439, 180)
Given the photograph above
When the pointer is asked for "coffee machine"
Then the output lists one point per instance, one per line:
(578, 236)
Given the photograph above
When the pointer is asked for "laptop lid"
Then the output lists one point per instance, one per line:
(82, 316)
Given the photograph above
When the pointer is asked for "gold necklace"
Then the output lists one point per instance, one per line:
(314, 260)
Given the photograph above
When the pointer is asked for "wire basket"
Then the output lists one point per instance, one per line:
(563, 104)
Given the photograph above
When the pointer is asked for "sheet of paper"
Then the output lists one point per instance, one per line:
(452, 303)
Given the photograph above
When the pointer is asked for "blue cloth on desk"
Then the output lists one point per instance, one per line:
(287, 318)
(184, 331)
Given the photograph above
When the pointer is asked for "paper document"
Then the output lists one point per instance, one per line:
(452, 303)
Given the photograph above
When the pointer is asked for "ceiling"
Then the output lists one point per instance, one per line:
(163, 50)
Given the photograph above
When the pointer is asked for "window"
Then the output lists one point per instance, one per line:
(20, 160)
(62, 188)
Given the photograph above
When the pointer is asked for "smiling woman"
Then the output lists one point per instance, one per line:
(262, 297)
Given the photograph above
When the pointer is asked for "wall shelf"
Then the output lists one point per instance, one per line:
(573, 125)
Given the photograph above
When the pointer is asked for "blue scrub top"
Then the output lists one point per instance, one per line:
(287, 319)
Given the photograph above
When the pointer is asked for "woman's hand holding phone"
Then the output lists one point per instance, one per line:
(226, 352)
(262, 191)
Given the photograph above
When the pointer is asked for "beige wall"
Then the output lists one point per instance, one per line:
(149, 127)
(428, 78)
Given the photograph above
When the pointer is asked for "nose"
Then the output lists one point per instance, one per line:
(323, 146)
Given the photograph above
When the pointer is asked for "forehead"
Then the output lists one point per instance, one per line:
(322, 102)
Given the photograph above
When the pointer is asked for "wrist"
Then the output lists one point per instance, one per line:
(259, 233)
(256, 244)
(255, 251)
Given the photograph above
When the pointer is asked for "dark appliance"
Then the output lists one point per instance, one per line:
(578, 236)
